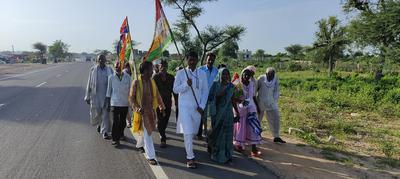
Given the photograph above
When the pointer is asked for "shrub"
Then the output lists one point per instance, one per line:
(393, 96)
(294, 67)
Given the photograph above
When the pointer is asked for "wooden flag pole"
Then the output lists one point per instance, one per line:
(182, 61)
(132, 53)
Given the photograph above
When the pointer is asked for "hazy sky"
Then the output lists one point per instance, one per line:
(94, 24)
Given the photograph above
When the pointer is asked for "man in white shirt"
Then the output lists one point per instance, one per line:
(117, 97)
(267, 97)
(191, 106)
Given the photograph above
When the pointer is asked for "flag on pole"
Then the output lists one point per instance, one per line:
(124, 44)
(162, 35)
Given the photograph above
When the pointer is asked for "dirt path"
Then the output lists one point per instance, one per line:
(297, 160)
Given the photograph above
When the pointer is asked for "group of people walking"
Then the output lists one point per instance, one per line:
(235, 106)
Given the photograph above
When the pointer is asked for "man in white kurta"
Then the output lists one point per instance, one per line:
(189, 111)
(267, 98)
(95, 95)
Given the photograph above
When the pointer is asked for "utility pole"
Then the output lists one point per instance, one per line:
(12, 46)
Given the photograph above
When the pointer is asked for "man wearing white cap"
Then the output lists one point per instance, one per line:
(267, 97)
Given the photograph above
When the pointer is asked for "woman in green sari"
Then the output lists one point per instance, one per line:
(220, 139)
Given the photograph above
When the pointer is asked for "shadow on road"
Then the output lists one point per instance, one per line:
(31, 105)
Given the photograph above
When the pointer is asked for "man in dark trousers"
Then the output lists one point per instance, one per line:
(165, 84)
(117, 97)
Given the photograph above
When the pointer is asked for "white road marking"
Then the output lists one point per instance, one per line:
(1, 105)
(24, 74)
(41, 84)
(59, 75)
(157, 170)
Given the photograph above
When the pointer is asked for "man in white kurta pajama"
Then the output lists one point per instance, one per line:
(267, 98)
(95, 95)
(189, 111)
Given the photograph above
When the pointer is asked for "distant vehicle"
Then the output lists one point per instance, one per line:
(88, 59)
(2, 62)
(4, 59)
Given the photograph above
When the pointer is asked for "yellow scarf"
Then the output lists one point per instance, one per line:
(137, 117)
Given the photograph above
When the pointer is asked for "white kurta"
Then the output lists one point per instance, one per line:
(189, 118)
(268, 93)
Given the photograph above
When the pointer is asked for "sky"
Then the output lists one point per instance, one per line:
(87, 25)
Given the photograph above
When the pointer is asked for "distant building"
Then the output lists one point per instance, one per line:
(83, 57)
(245, 54)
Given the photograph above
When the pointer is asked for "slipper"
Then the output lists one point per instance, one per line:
(256, 153)
(152, 161)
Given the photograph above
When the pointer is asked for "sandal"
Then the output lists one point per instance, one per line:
(141, 149)
(238, 148)
(191, 164)
(163, 144)
(256, 153)
(152, 161)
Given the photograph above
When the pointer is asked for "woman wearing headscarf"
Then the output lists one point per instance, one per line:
(248, 130)
(253, 71)
(221, 101)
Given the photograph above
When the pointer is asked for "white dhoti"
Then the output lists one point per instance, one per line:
(146, 141)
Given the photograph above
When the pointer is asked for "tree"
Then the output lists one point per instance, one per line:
(58, 50)
(42, 49)
(104, 52)
(330, 41)
(259, 54)
(166, 53)
(229, 49)
(376, 25)
(210, 38)
(295, 51)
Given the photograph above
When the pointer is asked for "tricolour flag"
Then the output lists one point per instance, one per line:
(125, 42)
(162, 35)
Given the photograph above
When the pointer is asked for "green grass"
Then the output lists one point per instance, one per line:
(322, 106)
(318, 104)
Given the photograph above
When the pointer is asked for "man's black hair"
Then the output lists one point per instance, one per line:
(145, 66)
(211, 55)
(192, 54)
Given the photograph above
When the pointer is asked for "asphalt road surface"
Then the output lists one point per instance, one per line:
(45, 133)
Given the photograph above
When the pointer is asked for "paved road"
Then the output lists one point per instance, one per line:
(44, 133)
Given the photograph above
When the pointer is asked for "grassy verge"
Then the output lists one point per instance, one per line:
(361, 114)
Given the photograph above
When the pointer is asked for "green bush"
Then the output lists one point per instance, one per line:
(294, 67)
(393, 96)
(173, 64)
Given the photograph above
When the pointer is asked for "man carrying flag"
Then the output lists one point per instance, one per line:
(124, 48)
(191, 106)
